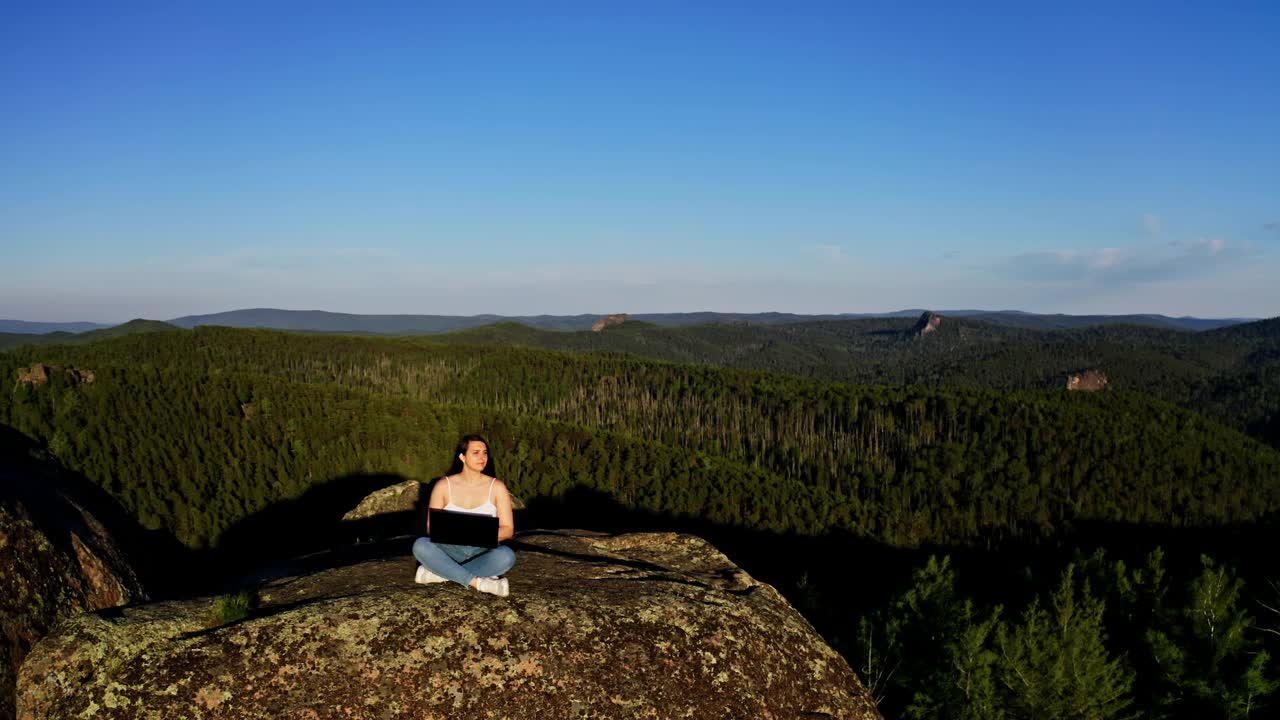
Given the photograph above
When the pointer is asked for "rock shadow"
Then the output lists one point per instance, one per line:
(49, 490)
(310, 523)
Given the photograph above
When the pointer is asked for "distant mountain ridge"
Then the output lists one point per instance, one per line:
(329, 322)
(1059, 321)
(11, 340)
(322, 321)
(40, 328)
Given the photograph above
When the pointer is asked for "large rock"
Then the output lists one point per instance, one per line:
(57, 560)
(632, 626)
(39, 374)
(928, 322)
(400, 498)
(610, 321)
(1087, 381)
(405, 499)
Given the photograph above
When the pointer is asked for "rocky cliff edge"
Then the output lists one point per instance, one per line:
(630, 626)
(57, 557)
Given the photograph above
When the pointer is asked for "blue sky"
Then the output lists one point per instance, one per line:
(164, 159)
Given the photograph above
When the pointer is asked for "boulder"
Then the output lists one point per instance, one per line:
(57, 560)
(397, 500)
(400, 498)
(653, 625)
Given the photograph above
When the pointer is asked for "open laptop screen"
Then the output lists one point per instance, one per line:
(456, 528)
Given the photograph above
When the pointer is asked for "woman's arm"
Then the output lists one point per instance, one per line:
(506, 522)
(437, 501)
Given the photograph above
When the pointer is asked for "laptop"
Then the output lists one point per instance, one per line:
(458, 528)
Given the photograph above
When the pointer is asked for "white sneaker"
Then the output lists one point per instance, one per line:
(492, 585)
(426, 577)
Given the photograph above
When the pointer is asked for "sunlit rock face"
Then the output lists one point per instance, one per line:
(39, 374)
(401, 498)
(928, 322)
(1087, 381)
(631, 626)
(57, 560)
(610, 321)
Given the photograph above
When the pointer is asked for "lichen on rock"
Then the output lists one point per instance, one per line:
(401, 497)
(57, 560)
(652, 625)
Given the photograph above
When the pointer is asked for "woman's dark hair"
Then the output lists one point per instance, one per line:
(455, 467)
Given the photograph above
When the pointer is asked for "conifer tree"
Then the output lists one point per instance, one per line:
(1054, 665)
(1209, 652)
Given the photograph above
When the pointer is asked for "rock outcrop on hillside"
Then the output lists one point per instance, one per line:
(631, 626)
(40, 373)
(1087, 381)
(57, 560)
(610, 321)
(928, 322)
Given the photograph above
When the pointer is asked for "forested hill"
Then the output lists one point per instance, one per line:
(196, 430)
(249, 445)
(12, 340)
(1035, 321)
(1264, 331)
(1230, 374)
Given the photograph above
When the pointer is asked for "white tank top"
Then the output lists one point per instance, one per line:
(487, 508)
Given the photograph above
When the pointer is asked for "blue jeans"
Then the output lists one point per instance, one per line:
(463, 563)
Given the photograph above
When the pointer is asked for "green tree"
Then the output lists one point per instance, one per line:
(1054, 664)
(1209, 654)
(60, 446)
(929, 651)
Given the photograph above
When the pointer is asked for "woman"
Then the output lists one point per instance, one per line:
(470, 488)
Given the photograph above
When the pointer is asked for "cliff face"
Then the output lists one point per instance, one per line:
(57, 560)
(610, 321)
(631, 626)
(928, 322)
(1087, 381)
(40, 373)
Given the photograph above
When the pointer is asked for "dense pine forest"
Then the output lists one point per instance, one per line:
(978, 541)
(1231, 374)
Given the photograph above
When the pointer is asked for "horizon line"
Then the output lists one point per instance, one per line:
(113, 323)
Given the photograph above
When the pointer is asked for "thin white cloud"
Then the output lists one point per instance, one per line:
(264, 259)
(834, 253)
(1126, 266)
(1106, 259)
(1152, 225)
(1209, 246)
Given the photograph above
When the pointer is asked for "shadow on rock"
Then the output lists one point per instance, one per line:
(66, 547)
(309, 523)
